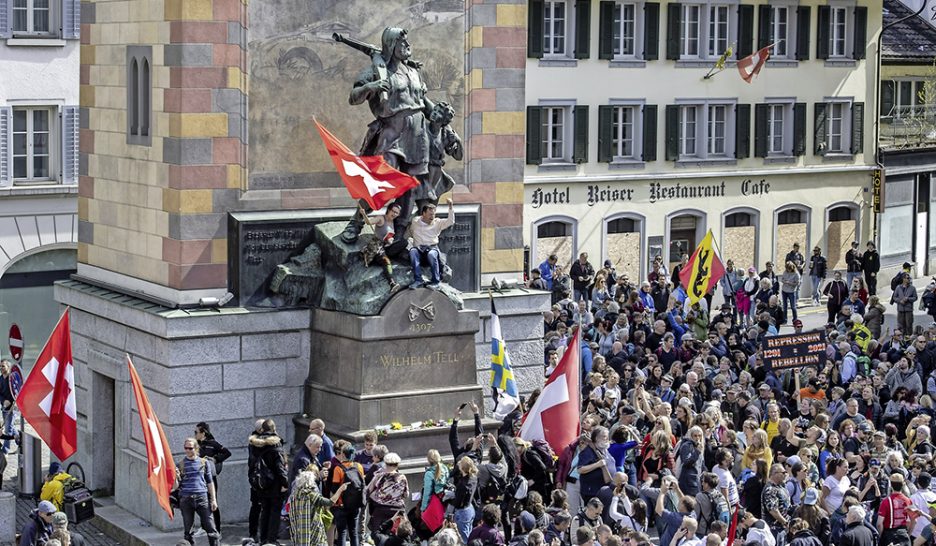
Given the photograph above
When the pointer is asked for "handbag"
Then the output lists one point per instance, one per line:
(434, 514)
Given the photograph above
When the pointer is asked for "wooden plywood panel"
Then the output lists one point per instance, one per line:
(739, 246)
(787, 234)
(624, 253)
(560, 246)
(840, 234)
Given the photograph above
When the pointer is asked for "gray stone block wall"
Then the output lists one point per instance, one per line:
(521, 319)
(227, 368)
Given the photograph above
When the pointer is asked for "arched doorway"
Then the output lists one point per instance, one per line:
(684, 230)
(554, 235)
(842, 230)
(623, 243)
(739, 237)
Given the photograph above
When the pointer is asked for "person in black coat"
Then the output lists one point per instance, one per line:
(871, 265)
(802, 534)
(217, 454)
(857, 531)
(466, 489)
(266, 471)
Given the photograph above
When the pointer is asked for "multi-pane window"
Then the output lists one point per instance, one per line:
(835, 138)
(779, 31)
(717, 134)
(31, 16)
(555, 20)
(775, 129)
(909, 99)
(623, 125)
(32, 132)
(718, 30)
(691, 30)
(553, 134)
(688, 127)
(837, 36)
(624, 31)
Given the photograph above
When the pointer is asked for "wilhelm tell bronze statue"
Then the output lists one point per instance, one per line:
(410, 131)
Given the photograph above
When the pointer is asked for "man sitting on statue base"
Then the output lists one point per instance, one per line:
(423, 239)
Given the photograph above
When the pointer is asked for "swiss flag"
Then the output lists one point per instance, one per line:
(555, 415)
(161, 473)
(47, 399)
(367, 177)
(751, 65)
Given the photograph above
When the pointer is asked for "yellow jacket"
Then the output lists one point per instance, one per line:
(54, 489)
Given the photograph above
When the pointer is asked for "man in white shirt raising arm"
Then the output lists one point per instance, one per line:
(423, 236)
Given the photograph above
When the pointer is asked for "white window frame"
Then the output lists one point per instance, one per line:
(53, 7)
(839, 31)
(568, 38)
(636, 108)
(782, 34)
(912, 109)
(617, 36)
(785, 106)
(705, 31)
(705, 148)
(718, 35)
(54, 144)
(844, 136)
(565, 133)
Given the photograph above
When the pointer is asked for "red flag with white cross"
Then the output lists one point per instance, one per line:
(47, 399)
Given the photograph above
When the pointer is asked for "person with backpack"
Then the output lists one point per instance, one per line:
(196, 493)
(213, 450)
(387, 493)
(351, 502)
(266, 473)
(711, 505)
(492, 477)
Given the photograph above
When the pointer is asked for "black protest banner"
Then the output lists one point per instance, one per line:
(794, 350)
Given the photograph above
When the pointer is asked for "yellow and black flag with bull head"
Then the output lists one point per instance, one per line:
(703, 270)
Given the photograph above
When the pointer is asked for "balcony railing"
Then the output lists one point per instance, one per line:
(909, 127)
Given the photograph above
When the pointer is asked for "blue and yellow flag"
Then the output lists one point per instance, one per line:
(506, 396)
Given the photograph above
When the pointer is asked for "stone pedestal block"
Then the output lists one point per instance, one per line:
(410, 363)
(7, 517)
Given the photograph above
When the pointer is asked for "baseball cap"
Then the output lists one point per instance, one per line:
(47, 507)
(607, 263)
(628, 410)
(797, 323)
(865, 427)
(54, 468)
(668, 378)
(874, 462)
(763, 387)
(897, 477)
(751, 270)
(793, 460)
(811, 497)
(59, 519)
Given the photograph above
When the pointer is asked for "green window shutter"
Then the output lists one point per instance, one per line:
(582, 28)
(745, 31)
(651, 31)
(760, 130)
(764, 15)
(799, 129)
(857, 128)
(819, 134)
(534, 142)
(861, 32)
(823, 26)
(605, 30)
(743, 130)
(605, 133)
(672, 132)
(887, 97)
(649, 132)
(673, 16)
(535, 29)
(580, 146)
(802, 32)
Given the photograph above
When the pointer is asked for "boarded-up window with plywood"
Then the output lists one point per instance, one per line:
(791, 228)
(739, 239)
(840, 233)
(555, 238)
(623, 246)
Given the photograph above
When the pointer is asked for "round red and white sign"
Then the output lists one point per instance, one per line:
(16, 343)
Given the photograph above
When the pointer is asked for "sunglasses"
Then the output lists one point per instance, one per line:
(189, 449)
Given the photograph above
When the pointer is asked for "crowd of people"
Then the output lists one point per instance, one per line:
(687, 438)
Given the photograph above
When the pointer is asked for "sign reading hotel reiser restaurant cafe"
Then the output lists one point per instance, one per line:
(794, 350)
